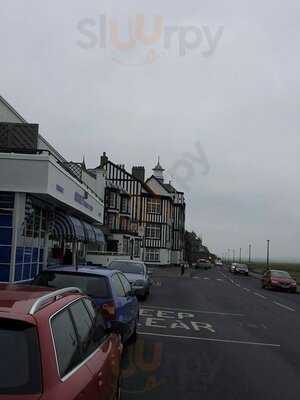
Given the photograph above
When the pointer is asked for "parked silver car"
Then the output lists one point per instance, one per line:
(136, 273)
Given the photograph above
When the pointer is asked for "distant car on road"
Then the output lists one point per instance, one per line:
(136, 273)
(219, 262)
(232, 267)
(277, 279)
(241, 269)
(110, 291)
(56, 345)
(203, 263)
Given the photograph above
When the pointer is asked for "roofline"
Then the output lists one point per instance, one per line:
(12, 109)
(144, 185)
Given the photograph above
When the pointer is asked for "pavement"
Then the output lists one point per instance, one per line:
(214, 335)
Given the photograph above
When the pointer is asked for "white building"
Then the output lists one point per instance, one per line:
(50, 209)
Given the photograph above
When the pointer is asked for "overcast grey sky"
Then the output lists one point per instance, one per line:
(226, 116)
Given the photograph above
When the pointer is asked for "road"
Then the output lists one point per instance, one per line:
(214, 335)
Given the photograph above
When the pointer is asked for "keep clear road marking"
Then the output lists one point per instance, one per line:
(283, 306)
(209, 339)
(260, 295)
(195, 311)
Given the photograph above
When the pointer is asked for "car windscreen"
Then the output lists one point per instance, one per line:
(92, 285)
(280, 274)
(20, 363)
(127, 267)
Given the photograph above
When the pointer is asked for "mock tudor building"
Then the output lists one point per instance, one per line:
(157, 217)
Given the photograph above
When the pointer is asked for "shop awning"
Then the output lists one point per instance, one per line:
(78, 229)
(63, 227)
(89, 233)
(69, 228)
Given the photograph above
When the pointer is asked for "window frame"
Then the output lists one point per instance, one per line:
(153, 228)
(154, 206)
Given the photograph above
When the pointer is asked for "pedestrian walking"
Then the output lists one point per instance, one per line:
(182, 269)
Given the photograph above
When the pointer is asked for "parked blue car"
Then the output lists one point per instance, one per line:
(109, 289)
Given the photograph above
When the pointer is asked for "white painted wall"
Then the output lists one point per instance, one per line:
(41, 174)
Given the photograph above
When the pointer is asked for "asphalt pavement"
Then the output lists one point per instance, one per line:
(214, 335)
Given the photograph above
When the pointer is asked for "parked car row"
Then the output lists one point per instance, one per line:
(62, 336)
(271, 279)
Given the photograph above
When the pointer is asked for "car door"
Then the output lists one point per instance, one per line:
(95, 351)
(131, 300)
(75, 380)
(107, 349)
(123, 304)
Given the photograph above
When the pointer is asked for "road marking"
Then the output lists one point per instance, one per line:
(209, 339)
(220, 280)
(247, 290)
(207, 279)
(196, 311)
(283, 306)
(260, 295)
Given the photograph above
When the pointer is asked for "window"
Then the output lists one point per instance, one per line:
(137, 248)
(118, 286)
(152, 255)
(124, 224)
(112, 221)
(92, 285)
(83, 325)
(125, 204)
(154, 206)
(112, 200)
(153, 231)
(66, 342)
(99, 326)
(128, 267)
(126, 284)
(20, 364)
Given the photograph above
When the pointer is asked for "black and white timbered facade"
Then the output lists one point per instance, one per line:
(157, 212)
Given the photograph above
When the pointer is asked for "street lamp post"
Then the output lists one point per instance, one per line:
(233, 255)
(268, 252)
(240, 254)
(250, 248)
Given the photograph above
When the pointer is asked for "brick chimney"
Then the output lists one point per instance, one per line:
(103, 160)
(139, 173)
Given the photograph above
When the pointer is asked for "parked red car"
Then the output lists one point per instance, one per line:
(54, 345)
(275, 279)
